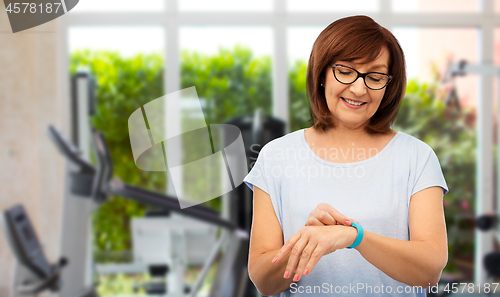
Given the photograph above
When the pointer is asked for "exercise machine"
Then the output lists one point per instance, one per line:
(34, 274)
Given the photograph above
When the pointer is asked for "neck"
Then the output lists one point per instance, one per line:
(348, 136)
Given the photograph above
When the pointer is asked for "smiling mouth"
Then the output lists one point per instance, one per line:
(356, 103)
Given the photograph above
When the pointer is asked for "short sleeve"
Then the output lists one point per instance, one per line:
(257, 175)
(263, 176)
(428, 172)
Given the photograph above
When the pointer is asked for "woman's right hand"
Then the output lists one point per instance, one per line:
(325, 215)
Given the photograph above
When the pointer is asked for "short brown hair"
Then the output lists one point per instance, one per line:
(349, 39)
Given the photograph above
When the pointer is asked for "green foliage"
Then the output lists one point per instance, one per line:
(123, 85)
(424, 115)
(451, 134)
(299, 103)
(231, 83)
(121, 284)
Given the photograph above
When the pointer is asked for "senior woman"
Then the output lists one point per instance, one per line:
(349, 164)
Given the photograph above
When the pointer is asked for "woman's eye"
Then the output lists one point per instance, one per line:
(375, 78)
(345, 72)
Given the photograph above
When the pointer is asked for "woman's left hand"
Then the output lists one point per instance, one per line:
(311, 243)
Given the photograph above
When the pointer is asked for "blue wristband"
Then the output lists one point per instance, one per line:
(359, 237)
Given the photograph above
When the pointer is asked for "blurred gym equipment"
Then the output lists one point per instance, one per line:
(33, 273)
(182, 242)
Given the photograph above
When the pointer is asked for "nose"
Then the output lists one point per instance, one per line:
(358, 87)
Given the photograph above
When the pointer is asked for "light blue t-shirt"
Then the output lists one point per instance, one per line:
(375, 191)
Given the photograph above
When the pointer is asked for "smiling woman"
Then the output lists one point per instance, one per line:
(317, 228)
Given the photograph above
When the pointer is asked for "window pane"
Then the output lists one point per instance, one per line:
(225, 5)
(119, 6)
(231, 68)
(333, 5)
(208, 40)
(300, 43)
(127, 64)
(442, 6)
(425, 61)
(127, 41)
(428, 50)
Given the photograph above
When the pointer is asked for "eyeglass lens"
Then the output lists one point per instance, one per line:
(347, 75)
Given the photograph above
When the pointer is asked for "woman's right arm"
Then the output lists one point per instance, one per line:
(266, 239)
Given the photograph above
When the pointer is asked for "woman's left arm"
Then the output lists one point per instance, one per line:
(420, 261)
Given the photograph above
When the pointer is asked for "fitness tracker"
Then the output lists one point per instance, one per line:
(359, 237)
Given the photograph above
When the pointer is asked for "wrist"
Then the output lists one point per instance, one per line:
(359, 235)
(352, 234)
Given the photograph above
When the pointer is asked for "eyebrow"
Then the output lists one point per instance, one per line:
(378, 66)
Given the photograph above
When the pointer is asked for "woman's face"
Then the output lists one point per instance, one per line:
(345, 114)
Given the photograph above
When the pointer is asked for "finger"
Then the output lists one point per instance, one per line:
(304, 259)
(313, 260)
(324, 217)
(312, 221)
(285, 249)
(348, 222)
(294, 258)
(336, 215)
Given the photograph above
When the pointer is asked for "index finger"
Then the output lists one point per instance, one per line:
(286, 248)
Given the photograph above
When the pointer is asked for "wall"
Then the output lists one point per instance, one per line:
(30, 99)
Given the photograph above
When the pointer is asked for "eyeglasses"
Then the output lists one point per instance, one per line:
(347, 75)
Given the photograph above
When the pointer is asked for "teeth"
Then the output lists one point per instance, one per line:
(353, 102)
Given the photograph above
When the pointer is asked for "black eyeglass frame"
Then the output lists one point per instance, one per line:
(363, 75)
